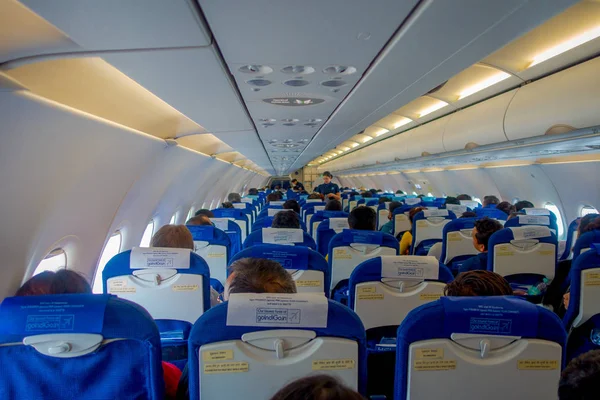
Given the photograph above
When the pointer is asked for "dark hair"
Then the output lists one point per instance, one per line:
(294, 180)
(486, 227)
(333, 205)
(252, 192)
(234, 198)
(478, 283)
(451, 200)
(227, 204)
(366, 195)
(580, 380)
(506, 207)
(487, 200)
(414, 211)
(384, 200)
(327, 173)
(463, 197)
(399, 192)
(373, 191)
(272, 197)
(63, 281)
(514, 215)
(259, 275)
(316, 387)
(588, 223)
(292, 205)
(393, 205)
(286, 219)
(199, 220)
(363, 218)
(204, 211)
(468, 214)
(315, 196)
(177, 236)
(519, 205)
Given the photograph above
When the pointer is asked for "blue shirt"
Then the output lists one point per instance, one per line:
(327, 188)
(388, 227)
(474, 263)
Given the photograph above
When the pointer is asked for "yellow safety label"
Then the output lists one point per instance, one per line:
(342, 254)
(422, 223)
(453, 237)
(367, 290)
(217, 355)
(434, 365)
(226, 367)
(329, 365)
(430, 296)
(537, 365)
(592, 279)
(370, 296)
(505, 253)
(216, 255)
(546, 252)
(120, 286)
(429, 354)
(308, 283)
(185, 288)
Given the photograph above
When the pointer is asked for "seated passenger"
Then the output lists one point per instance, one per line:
(234, 198)
(199, 220)
(366, 195)
(407, 238)
(451, 200)
(580, 380)
(388, 227)
(248, 275)
(478, 283)
(400, 192)
(468, 214)
(227, 204)
(483, 230)
(292, 205)
(384, 200)
(506, 207)
(588, 223)
(272, 197)
(252, 192)
(463, 197)
(297, 185)
(514, 215)
(204, 211)
(490, 201)
(65, 281)
(316, 387)
(177, 236)
(363, 218)
(519, 205)
(315, 196)
(286, 219)
(333, 205)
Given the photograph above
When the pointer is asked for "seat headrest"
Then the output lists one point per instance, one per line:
(530, 232)
(290, 257)
(534, 220)
(410, 267)
(362, 237)
(159, 257)
(282, 235)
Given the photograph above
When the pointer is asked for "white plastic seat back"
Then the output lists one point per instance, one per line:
(459, 243)
(382, 215)
(401, 223)
(216, 258)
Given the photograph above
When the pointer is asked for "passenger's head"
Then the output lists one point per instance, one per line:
(384, 200)
(292, 205)
(580, 380)
(258, 275)
(519, 205)
(327, 177)
(253, 192)
(234, 198)
(363, 218)
(489, 200)
(366, 195)
(373, 191)
(414, 211)
(272, 197)
(514, 215)
(505, 207)
(393, 205)
(478, 283)
(483, 230)
(227, 204)
(400, 192)
(294, 181)
(333, 205)
(204, 211)
(316, 387)
(62, 281)
(451, 200)
(177, 236)
(589, 223)
(199, 220)
(463, 197)
(315, 196)
(468, 214)
(286, 219)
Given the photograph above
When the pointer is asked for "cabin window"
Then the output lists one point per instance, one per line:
(559, 219)
(477, 199)
(515, 200)
(429, 194)
(173, 219)
(55, 260)
(147, 236)
(112, 248)
(414, 193)
(585, 210)
(190, 213)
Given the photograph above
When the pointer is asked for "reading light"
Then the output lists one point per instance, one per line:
(402, 122)
(439, 104)
(499, 77)
(566, 46)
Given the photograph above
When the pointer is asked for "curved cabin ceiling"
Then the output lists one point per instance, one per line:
(276, 85)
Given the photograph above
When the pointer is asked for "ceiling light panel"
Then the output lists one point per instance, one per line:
(436, 105)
